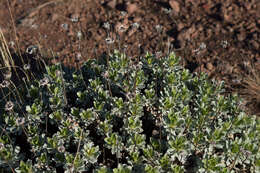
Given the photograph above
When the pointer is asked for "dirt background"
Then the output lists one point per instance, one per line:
(219, 37)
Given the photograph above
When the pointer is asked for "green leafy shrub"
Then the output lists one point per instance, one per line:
(122, 115)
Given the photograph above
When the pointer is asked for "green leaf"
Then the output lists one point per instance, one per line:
(25, 167)
(135, 156)
(113, 141)
(217, 134)
(148, 152)
(139, 140)
(57, 115)
(120, 103)
(177, 169)
(87, 115)
(178, 143)
(75, 111)
(235, 148)
(165, 162)
(91, 153)
(151, 169)
(155, 143)
(69, 158)
(122, 169)
(34, 109)
(105, 127)
(172, 59)
(102, 170)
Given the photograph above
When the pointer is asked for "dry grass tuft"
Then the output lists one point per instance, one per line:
(251, 90)
(6, 58)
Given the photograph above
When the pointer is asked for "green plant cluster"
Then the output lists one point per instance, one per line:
(121, 115)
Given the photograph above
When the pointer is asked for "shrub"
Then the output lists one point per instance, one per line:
(124, 115)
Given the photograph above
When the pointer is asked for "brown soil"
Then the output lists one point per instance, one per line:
(218, 37)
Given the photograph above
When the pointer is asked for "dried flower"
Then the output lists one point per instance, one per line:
(158, 54)
(159, 28)
(167, 11)
(19, 121)
(224, 43)
(32, 49)
(61, 149)
(203, 46)
(79, 35)
(1, 146)
(122, 28)
(105, 75)
(74, 19)
(12, 44)
(9, 106)
(65, 26)
(58, 73)
(44, 81)
(109, 40)
(136, 25)
(78, 56)
(26, 66)
(106, 25)
(123, 13)
(125, 46)
(4, 84)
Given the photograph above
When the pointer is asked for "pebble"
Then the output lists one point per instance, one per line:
(210, 66)
(175, 5)
(131, 8)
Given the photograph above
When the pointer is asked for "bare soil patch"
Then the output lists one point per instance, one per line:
(218, 37)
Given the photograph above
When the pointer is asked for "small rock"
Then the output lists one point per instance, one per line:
(131, 32)
(137, 19)
(54, 17)
(27, 22)
(155, 132)
(251, 25)
(241, 36)
(74, 17)
(255, 44)
(120, 27)
(131, 8)
(180, 26)
(230, 69)
(112, 4)
(210, 66)
(227, 17)
(175, 5)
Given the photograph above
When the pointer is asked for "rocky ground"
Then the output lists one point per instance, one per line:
(220, 37)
